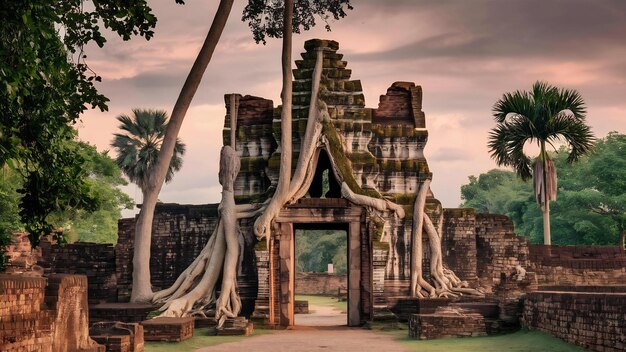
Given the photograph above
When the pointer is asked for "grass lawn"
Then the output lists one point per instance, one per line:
(202, 337)
(326, 301)
(521, 341)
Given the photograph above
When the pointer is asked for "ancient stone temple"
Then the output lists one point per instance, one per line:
(379, 151)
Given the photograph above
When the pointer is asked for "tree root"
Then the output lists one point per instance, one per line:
(303, 170)
(194, 290)
(446, 283)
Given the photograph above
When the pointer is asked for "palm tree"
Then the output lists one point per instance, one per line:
(545, 115)
(138, 147)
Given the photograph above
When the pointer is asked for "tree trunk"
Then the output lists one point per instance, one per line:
(622, 239)
(262, 224)
(546, 223)
(546, 198)
(142, 290)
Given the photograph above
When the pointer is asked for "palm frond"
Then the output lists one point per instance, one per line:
(139, 144)
(574, 132)
(506, 144)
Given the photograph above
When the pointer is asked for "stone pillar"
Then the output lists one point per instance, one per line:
(287, 269)
(354, 275)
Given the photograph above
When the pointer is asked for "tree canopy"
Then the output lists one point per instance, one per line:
(139, 142)
(315, 249)
(591, 208)
(45, 85)
(102, 179)
(544, 115)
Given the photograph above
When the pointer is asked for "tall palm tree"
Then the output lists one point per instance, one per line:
(545, 115)
(138, 146)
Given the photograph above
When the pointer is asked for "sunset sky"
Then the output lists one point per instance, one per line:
(464, 54)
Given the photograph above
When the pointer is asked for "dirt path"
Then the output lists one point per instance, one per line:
(323, 330)
(308, 339)
(322, 316)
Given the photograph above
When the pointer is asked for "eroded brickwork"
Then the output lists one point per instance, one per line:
(596, 321)
(320, 283)
(96, 261)
(44, 315)
(578, 265)
(459, 242)
(499, 249)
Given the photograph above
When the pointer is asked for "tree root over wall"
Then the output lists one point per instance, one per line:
(446, 283)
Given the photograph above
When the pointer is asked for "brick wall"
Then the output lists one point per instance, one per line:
(44, 315)
(596, 321)
(21, 256)
(95, 260)
(498, 249)
(578, 265)
(320, 283)
(459, 242)
(24, 326)
(179, 232)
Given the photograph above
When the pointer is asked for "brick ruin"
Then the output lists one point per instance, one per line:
(384, 148)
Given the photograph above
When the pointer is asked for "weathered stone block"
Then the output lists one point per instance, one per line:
(168, 329)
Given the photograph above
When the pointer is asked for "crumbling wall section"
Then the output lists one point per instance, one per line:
(24, 326)
(596, 321)
(578, 265)
(459, 242)
(45, 315)
(499, 250)
(95, 260)
(179, 232)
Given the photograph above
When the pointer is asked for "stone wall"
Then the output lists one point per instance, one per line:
(179, 232)
(596, 321)
(44, 315)
(578, 265)
(459, 242)
(21, 256)
(320, 283)
(96, 261)
(24, 326)
(499, 250)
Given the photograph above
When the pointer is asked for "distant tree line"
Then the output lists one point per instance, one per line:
(315, 249)
(591, 204)
(100, 177)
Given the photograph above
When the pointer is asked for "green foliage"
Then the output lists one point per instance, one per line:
(102, 178)
(45, 84)
(265, 18)
(315, 249)
(138, 147)
(590, 209)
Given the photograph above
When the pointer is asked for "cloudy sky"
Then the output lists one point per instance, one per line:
(464, 54)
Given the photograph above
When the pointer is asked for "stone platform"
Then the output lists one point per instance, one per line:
(447, 322)
(239, 326)
(114, 343)
(118, 336)
(403, 308)
(301, 307)
(168, 329)
(122, 312)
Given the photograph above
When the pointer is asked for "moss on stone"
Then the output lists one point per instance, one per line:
(261, 246)
(381, 245)
(342, 162)
(379, 228)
